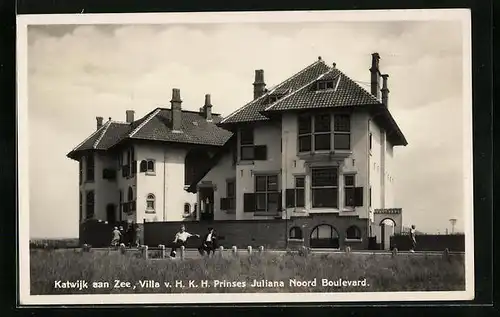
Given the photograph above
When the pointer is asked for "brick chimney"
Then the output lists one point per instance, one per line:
(99, 122)
(385, 90)
(375, 76)
(129, 114)
(176, 109)
(259, 86)
(207, 108)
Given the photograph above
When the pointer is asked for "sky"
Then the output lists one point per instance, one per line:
(78, 72)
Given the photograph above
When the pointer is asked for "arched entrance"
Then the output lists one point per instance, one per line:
(324, 236)
(387, 229)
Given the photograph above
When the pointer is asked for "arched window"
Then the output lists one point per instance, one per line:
(353, 232)
(295, 233)
(324, 236)
(187, 208)
(143, 167)
(150, 203)
(130, 194)
(151, 166)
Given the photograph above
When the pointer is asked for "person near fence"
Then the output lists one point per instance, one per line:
(122, 235)
(413, 238)
(180, 240)
(115, 241)
(208, 243)
(130, 234)
(137, 238)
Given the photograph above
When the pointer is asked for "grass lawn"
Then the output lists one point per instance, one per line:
(51, 269)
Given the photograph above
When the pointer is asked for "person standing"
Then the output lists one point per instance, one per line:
(413, 238)
(115, 241)
(180, 240)
(209, 242)
(137, 240)
(122, 235)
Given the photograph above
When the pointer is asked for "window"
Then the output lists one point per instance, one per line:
(187, 209)
(90, 168)
(150, 203)
(246, 144)
(80, 168)
(322, 85)
(300, 191)
(305, 131)
(342, 132)
(349, 190)
(231, 194)
(353, 232)
(370, 198)
(130, 195)
(147, 166)
(89, 204)
(267, 193)
(322, 132)
(80, 198)
(370, 140)
(295, 233)
(324, 187)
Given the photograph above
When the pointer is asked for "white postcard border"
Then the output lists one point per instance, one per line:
(23, 21)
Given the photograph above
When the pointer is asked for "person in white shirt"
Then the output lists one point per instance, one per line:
(180, 239)
(209, 242)
(413, 239)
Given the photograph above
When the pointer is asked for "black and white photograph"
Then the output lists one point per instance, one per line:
(245, 157)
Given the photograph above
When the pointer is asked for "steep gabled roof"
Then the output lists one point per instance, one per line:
(156, 125)
(345, 92)
(251, 111)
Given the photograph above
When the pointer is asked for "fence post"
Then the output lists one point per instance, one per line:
(394, 252)
(235, 250)
(145, 252)
(183, 249)
(221, 250)
(446, 254)
(162, 251)
(348, 249)
(261, 249)
(249, 249)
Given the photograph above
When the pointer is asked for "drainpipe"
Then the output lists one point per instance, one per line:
(285, 170)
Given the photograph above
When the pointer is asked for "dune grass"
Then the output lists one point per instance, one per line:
(380, 272)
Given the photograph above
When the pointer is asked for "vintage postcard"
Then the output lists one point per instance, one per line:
(245, 157)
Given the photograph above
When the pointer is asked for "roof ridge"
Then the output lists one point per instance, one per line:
(143, 123)
(297, 90)
(106, 126)
(88, 138)
(275, 87)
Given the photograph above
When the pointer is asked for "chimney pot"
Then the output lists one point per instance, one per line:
(207, 108)
(334, 64)
(385, 90)
(129, 114)
(319, 58)
(375, 76)
(99, 122)
(259, 86)
(176, 109)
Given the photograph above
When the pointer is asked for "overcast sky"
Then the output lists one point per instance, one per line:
(79, 72)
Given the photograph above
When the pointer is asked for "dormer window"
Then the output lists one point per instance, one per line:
(325, 84)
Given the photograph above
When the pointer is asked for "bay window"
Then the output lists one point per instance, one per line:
(324, 187)
(317, 133)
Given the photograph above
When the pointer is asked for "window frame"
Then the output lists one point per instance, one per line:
(296, 236)
(334, 187)
(187, 209)
(306, 140)
(150, 198)
(89, 204)
(320, 133)
(358, 235)
(340, 132)
(349, 188)
(246, 144)
(266, 193)
(90, 168)
(304, 135)
(231, 199)
(297, 190)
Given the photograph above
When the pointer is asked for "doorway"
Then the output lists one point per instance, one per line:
(324, 236)
(111, 213)
(206, 203)
(387, 227)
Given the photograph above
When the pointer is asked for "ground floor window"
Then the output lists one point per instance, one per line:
(353, 232)
(324, 236)
(295, 233)
(267, 193)
(324, 187)
(89, 204)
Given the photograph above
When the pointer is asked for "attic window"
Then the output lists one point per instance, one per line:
(274, 98)
(326, 84)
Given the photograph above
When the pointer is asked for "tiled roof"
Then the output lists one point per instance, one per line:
(194, 129)
(345, 93)
(251, 111)
(156, 125)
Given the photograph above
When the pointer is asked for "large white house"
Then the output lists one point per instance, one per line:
(316, 146)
